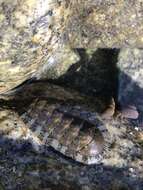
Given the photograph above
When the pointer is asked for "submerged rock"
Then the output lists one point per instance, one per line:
(30, 33)
(131, 78)
(23, 167)
(34, 33)
(105, 23)
(27, 168)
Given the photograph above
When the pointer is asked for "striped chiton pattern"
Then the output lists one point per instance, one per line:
(71, 130)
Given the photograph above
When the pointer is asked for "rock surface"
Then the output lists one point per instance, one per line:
(105, 24)
(24, 166)
(131, 79)
(30, 40)
(36, 36)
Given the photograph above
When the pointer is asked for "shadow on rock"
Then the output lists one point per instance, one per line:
(23, 168)
(96, 73)
(130, 93)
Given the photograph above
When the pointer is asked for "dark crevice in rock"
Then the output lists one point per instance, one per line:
(96, 74)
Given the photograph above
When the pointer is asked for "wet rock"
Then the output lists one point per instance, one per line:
(22, 167)
(36, 36)
(105, 23)
(30, 34)
(131, 79)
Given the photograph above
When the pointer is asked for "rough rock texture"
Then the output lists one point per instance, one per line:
(30, 37)
(36, 37)
(96, 74)
(24, 166)
(36, 33)
(105, 23)
(131, 78)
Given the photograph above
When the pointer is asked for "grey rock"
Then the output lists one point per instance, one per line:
(131, 78)
(30, 40)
